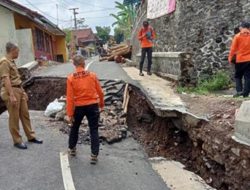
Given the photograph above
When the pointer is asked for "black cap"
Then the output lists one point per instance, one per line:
(145, 23)
(245, 24)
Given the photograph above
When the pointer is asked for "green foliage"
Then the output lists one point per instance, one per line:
(131, 2)
(68, 33)
(103, 33)
(219, 81)
(125, 18)
(119, 35)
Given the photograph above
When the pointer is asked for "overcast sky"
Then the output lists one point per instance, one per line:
(96, 12)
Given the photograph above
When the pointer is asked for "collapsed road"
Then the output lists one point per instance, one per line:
(122, 166)
(172, 131)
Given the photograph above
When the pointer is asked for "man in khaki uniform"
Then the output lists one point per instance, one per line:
(15, 98)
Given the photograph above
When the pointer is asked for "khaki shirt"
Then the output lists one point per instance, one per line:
(9, 68)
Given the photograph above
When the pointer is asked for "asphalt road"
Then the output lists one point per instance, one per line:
(104, 70)
(122, 166)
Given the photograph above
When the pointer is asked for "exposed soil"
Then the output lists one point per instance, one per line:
(43, 90)
(220, 111)
(208, 150)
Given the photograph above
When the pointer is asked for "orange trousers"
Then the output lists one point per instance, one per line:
(19, 112)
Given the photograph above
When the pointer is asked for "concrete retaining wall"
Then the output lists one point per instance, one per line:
(175, 66)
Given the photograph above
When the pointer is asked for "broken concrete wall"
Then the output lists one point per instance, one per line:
(201, 147)
(203, 28)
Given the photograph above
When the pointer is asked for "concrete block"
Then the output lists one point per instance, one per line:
(30, 66)
(176, 66)
(242, 124)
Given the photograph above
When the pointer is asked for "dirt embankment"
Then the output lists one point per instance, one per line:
(208, 150)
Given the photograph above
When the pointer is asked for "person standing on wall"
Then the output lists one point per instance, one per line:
(240, 56)
(15, 98)
(84, 98)
(146, 36)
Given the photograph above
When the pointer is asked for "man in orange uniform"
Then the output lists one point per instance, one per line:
(146, 36)
(84, 98)
(240, 55)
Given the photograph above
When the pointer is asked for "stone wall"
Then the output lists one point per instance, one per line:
(203, 28)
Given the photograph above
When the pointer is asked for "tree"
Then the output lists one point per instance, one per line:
(68, 33)
(81, 23)
(119, 35)
(131, 2)
(125, 18)
(103, 33)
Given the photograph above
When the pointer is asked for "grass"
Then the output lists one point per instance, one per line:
(219, 81)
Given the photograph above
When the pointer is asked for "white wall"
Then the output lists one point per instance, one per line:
(7, 30)
(25, 42)
(22, 37)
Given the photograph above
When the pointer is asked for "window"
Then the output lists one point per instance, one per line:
(39, 39)
(43, 41)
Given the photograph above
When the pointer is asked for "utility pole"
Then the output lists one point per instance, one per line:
(57, 14)
(75, 13)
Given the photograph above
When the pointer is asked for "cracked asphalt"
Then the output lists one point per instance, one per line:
(122, 166)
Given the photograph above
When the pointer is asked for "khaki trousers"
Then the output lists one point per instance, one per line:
(19, 112)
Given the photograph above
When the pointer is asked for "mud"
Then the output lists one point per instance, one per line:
(207, 150)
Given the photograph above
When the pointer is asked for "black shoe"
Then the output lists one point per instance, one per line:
(93, 159)
(36, 141)
(149, 73)
(245, 95)
(141, 74)
(238, 94)
(72, 152)
(21, 146)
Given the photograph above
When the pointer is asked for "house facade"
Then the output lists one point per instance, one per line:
(85, 41)
(36, 36)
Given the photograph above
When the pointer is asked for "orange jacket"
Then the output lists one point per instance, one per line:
(240, 47)
(83, 88)
(142, 36)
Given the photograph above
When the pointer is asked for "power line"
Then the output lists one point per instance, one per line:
(40, 2)
(75, 13)
(97, 17)
(102, 10)
(90, 4)
(43, 12)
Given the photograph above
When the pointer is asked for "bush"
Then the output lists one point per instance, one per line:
(219, 81)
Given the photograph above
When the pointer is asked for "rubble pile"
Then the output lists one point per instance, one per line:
(117, 53)
(112, 124)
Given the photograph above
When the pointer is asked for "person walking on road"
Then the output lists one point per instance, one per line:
(84, 98)
(146, 36)
(15, 98)
(240, 56)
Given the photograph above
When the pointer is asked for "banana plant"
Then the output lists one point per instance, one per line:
(125, 17)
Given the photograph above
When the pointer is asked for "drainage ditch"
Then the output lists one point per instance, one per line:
(221, 162)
